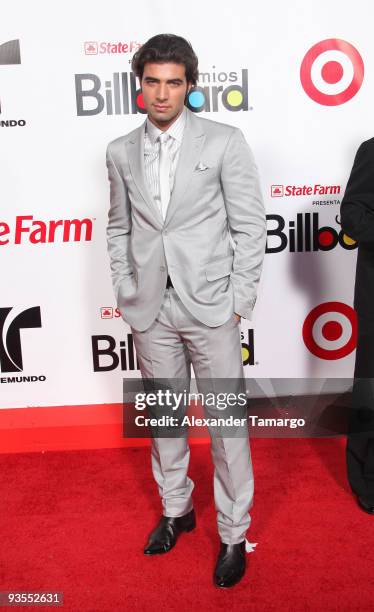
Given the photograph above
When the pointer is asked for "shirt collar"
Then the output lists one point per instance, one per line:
(175, 130)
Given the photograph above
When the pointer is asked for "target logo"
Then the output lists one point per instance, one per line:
(332, 72)
(330, 330)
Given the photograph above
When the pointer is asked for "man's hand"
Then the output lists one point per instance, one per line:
(237, 316)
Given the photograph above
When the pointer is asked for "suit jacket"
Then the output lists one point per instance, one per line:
(357, 218)
(216, 192)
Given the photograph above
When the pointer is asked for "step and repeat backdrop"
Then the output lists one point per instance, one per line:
(297, 78)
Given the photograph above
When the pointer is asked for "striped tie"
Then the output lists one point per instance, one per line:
(164, 172)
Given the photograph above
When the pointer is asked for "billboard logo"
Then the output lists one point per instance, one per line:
(107, 357)
(210, 94)
(10, 337)
(122, 96)
(248, 348)
(332, 72)
(304, 234)
(330, 330)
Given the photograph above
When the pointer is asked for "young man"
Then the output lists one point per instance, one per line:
(179, 186)
(357, 218)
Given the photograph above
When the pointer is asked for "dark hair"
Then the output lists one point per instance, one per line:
(167, 48)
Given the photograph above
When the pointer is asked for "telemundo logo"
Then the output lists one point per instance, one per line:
(10, 55)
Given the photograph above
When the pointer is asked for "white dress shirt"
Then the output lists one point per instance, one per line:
(152, 150)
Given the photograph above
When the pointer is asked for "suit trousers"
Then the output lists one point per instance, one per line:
(166, 350)
(360, 440)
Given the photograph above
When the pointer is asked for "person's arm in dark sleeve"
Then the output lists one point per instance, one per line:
(357, 208)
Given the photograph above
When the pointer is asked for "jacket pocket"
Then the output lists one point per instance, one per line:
(127, 286)
(219, 269)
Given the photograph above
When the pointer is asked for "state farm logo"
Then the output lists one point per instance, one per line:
(93, 47)
(108, 312)
(26, 229)
(330, 330)
(280, 191)
(332, 72)
(277, 191)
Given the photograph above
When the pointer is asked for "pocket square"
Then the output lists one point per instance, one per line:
(201, 166)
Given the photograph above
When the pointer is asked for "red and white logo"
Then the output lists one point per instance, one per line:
(280, 191)
(91, 47)
(106, 312)
(332, 72)
(277, 191)
(330, 330)
(94, 47)
(26, 229)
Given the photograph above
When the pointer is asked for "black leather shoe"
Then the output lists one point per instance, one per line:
(165, 535)
(365, 505)
(230, 566)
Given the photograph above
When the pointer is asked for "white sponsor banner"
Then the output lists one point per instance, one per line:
(301, 91)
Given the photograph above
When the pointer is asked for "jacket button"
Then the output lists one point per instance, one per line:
(162, 268)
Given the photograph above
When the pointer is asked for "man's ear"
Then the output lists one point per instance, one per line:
(189, 87)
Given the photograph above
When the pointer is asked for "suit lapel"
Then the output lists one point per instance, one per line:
(135, 152)
(189, 156)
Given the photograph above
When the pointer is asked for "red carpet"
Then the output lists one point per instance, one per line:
(76, 522)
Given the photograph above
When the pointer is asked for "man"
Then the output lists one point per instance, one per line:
(180, 185)
(357, 218)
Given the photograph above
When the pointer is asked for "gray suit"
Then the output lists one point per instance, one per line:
(216, 193)
(193, 244)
